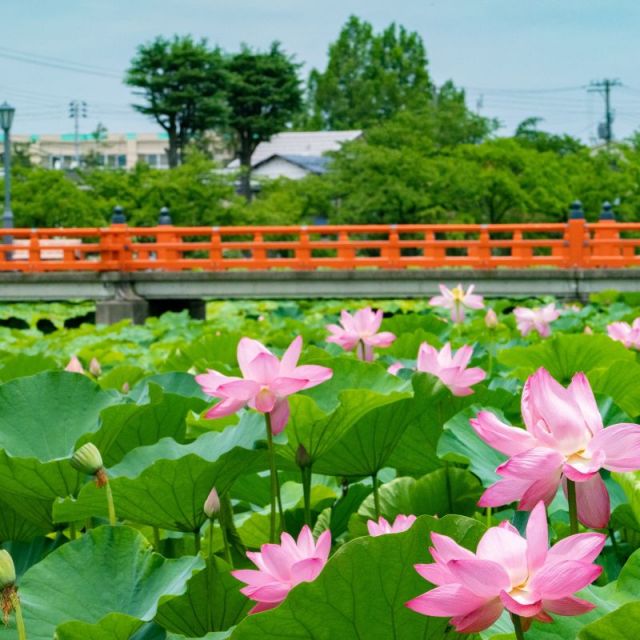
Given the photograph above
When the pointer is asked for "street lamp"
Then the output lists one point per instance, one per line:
(6, 118)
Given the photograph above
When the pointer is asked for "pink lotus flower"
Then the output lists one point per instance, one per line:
(282, 566)
(564, 438)
(360, 331)
(457, 300)
(382, 527)
(538, 319)
(628, 334)
(511, 572)
(74, 365)
(266, 382)
(450, 368)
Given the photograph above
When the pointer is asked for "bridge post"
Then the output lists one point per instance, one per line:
(608, 250)
(575, 238)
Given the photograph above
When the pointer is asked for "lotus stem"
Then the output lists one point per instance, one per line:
(517, 626)
(376, 496)
(573, 506)
(447, 480)
(210, 559)
(73, 533)
(305, 472)
(110, 505)
(488, 514)
(196, 540)
(275, 489)
(15, 601)
(156, 538)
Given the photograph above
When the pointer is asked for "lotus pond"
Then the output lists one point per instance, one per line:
(293, 470)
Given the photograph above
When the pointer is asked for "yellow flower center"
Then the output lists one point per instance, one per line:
(458, 294)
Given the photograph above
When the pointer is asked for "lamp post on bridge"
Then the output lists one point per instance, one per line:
(6, 119)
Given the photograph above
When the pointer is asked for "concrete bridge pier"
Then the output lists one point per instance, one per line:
(138, 309)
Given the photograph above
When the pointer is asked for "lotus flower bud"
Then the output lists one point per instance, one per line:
(74, 365)
(94, 367)
(7, 570)
(588, 330)
(303, 460)
(87, 459)
(126, 388)
(212, 504)
(491, 319)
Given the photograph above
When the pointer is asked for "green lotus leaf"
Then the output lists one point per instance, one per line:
(109, 571)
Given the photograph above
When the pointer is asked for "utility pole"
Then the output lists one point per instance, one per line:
(605, 129)
(77, 110)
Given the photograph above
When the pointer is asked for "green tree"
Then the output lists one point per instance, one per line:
(183, 85)
(527, 133)
(370, 76)
(195, 192)
(263, 96)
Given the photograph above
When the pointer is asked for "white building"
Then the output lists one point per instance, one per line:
(296, 154)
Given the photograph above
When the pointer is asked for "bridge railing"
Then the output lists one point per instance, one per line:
(575, 244)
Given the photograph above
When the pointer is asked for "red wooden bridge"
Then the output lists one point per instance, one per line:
(576, 244)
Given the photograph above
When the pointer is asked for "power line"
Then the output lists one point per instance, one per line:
(56, 63)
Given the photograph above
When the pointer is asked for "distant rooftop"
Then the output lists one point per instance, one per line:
(295, 144)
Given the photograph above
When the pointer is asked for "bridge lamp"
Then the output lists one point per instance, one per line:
(6, 119)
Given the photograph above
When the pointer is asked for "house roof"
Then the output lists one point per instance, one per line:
(300, 143)
(313, 164)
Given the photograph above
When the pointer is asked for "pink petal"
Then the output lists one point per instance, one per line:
(210, 381)
(323, 545)
(306, 570)
(483, 577)
(314, 374)
(264, 368)
(263, 606)
(506, 439)
(273, 593)
(592, 498)
(242, 390)
(434, 573)
(526, 610)
(554, 405)
(445, 601)
(287, 386)
(291, 356)
(583, 395)
(265, 400)
(479, 619)
(448, 549)
(543, 490)
(537, 538)
(584, 547)
(279, 416)
(507, 549)
(560, 579)
(569, 606)
(503, 492)
(247, 351)
(621, 446)
(383, 339)
(533, 464)
(224, 408)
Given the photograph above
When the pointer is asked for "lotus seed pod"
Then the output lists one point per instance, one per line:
(7, 570)
(87, 459)
(212, 504)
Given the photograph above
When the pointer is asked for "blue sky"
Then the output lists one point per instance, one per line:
(516, 58)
